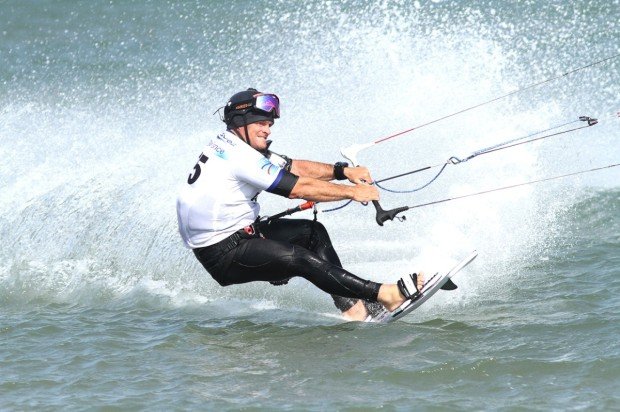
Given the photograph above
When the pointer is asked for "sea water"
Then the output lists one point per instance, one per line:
(105, 105)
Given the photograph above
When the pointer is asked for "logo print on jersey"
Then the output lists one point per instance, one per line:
(218, 150)
(222, 136)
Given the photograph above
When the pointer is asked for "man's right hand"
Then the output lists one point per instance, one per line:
(358, 174)
(364, 192)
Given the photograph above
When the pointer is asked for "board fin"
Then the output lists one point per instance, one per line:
(449, 285)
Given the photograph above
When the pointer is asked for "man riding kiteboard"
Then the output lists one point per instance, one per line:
(218, 213)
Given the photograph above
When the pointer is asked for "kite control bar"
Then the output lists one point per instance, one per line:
(382, 215)
(350, 153)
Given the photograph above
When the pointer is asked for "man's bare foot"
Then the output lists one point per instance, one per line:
(391, 297)
(356, 312)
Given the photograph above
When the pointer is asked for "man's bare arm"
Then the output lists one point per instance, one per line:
(325, 171)
(320, 191)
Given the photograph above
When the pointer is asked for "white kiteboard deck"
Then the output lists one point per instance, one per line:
(432, 285)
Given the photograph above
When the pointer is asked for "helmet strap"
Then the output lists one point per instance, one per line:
(247, 134)
(245, 138)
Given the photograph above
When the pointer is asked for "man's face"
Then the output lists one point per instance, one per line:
(258, 133)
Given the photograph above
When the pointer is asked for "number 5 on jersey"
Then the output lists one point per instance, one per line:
(193, 177)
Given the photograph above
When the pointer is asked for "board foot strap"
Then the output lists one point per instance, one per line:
(408, 286)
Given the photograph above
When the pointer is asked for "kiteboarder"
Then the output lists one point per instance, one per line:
(218, 213)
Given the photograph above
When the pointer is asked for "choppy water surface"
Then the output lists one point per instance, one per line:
(105, 105)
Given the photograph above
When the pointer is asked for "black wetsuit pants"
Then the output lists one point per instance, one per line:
(282, 249)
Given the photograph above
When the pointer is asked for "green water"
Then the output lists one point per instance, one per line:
(547, 340)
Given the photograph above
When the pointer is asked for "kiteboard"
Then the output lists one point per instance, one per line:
(431, 286)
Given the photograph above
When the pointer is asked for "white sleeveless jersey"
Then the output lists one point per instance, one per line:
(220, 195)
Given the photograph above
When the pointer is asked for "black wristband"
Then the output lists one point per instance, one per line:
(339, 170)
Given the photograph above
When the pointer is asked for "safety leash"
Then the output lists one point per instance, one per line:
(287, 212)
